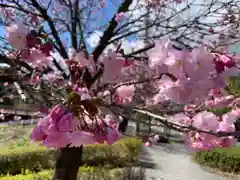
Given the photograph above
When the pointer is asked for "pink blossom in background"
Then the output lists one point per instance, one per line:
(209, 122)
(51, 77)
(36, 57)
(83, 92)
(112, 67)
(160, 53)
(33, 19)
(190, 107)
(226, 60)
(219, 102)
(36, 79)
(125, 93)
(47, 48)
(16, 36)
(200, 65)
(127, 62)
(148, 144)
(179, 1)
(236, 112)
(206, 121)
(181, 118)
(111, 121)
(119, 17)
(83, 62)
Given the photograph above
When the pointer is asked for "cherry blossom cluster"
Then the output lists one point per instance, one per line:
(200, 77)
(197, 72)
(60, 129)
(208, 121)
(197, 76)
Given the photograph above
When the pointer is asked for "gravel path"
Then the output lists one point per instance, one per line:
(172, 162)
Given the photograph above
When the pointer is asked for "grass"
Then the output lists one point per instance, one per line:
(19, 153)
(14, 136)
(84, 173)
(225, 160)
(233, 151)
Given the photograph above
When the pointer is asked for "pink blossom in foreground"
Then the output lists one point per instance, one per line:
(183, 90)
(16, 36)
(82, 138)
(58, 130)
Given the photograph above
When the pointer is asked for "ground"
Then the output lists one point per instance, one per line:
(173, 162)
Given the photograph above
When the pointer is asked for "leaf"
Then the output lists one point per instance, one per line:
(234, 85)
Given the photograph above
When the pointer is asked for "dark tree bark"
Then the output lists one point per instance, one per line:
(123, 125)
(67, 163)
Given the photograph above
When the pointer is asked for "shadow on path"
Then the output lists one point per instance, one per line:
(146, 160)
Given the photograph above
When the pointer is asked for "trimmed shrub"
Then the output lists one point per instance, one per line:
(85, 173)
(36, 158)
(223, 159)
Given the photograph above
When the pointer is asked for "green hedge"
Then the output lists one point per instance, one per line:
(85, 173)
(223, 159)
(36, 158)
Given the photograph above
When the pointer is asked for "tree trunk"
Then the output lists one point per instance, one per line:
(67, 163)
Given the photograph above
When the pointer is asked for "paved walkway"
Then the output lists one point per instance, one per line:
(172, 162)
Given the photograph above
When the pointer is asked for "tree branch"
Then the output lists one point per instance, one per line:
(52, 27)
(109, 32)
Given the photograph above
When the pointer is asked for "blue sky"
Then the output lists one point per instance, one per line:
(104, 16)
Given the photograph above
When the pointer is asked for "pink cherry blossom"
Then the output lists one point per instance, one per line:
(125, 93)
(219, 102)
(206, 121)
(119, 17)
(112, 67)
(79, 138)
(200, 65)
(65, 123)
(83, 62)
(16, 36)
(228, 61)
(182, 119)
(58, 140)
(36, 57)
(83, 92)
(38, 134)
(148, 144)
(236, 112)
(159, 54)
